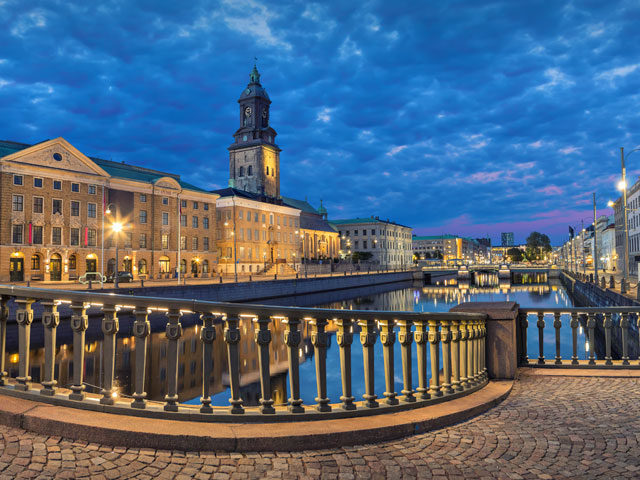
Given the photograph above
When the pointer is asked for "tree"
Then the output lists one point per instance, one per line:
(361, 256)
(537, 245)
(515, 255)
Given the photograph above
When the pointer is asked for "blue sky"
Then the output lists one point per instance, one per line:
(468, 117)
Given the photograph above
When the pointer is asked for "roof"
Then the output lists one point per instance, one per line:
(311, 222)
(352, 221)
(235, 192)
(434, 237)
(300, 205)
(115, 169)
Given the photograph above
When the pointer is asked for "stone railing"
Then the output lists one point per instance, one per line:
(455, 341)
(615, 324)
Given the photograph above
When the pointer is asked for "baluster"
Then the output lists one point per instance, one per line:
(540, 326)
(464, 335)
(50, 321)
(292, 339)
(141, 330)
(4, 317)
(574, 337)
(345, 339)
(207, 336)
(232, 337)
(79, 324)
(262, 337)
(476, 351)
(388, 338)
(421, 337)
(591, 326)
(481, 350)
(607, 323)
(368, 339)
(524, 326)
(624, 325)
(455, 355)
(445, 338)
(110, 326)
(173, 333)
(405, 338)
(319, 340)
(471, 347)
(557, 324)
(24, 318)
(434, 341)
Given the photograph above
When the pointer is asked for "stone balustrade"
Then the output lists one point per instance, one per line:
(456, 346)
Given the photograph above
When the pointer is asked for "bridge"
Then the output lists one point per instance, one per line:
(504, 271)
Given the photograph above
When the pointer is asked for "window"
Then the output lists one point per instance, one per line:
(57, 185)
(206, 206)
(248, 234)
(36, 234)
(194, 222)
(74, 240)
(183, 220)
(241, 172)
(228, 214)
(56, 235)
(92, 235)
(142, 267)
(183, 203)
(194, 243)
(165, 241)
(143, 199)
(205, 243)
(18, 179)
(183, 242)
(205, 266)
(75, 187)
(92, 189)
(364, 244)
(72, 262)
(165, 200)
(17, 234)
(195, 205)
(57, 206)
(271, 219)
(143, 240)
(219, 215)
(267, 170)
(165, 218)
(37, 182)
(240, 215)
(249, 170)
(205, 223)
(35, 262)
(128, 239)
(75, 209)
(264, 217)
(18, 203)
(143, 216)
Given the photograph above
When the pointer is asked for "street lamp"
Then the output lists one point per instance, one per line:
(117, 228)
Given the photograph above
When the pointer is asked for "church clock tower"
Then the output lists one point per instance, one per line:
(254, 158)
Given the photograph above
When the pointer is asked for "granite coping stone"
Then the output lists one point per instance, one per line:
(140, 432)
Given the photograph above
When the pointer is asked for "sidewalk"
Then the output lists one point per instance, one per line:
(632, 289)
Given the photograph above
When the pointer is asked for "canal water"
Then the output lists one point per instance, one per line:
(528, 290)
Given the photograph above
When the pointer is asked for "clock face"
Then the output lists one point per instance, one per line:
(247, 111)
(247, 91)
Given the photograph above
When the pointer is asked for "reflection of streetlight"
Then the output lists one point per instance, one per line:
(117, 228)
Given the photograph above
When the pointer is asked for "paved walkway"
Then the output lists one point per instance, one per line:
(550, 427)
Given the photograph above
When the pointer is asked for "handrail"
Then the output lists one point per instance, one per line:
(460, 337)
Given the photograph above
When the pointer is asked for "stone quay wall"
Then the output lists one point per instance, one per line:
(587, 294)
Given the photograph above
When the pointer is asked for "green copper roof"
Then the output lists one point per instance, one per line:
(7, 147)
(351, 221)
(300, 205)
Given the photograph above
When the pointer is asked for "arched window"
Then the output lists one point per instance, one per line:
(72, 262)
(165, 264)
(249, 170)
(142, 267)
(241, 174)
(205, 264)
(35, 262)
(111, 266)
(183, 266)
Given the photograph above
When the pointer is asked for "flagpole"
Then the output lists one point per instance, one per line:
(102, 254)
(179, 238)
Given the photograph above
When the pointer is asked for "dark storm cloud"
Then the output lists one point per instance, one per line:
(453, 116)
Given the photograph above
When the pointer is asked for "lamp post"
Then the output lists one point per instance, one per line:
(117, 228)
(107, 211)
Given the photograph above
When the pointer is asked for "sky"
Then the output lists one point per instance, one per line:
(463, 117)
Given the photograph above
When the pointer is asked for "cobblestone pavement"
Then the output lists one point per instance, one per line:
(550, 427)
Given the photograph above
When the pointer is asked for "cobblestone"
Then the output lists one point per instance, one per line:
(548, 428)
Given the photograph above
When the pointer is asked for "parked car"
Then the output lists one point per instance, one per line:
(123, 277)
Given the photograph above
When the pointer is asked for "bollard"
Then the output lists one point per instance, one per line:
(612, 282)
(89, 284)
(220, 278)
(623, 286)
(142, 283)
(603, 282)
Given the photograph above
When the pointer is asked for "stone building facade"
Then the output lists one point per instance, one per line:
(54, 202)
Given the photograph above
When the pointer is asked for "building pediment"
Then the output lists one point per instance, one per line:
(56, 154)
(168, 182)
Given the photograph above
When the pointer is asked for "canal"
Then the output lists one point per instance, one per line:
(440, 295)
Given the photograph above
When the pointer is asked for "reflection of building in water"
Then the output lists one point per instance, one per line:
(189, 363)
(395, 301)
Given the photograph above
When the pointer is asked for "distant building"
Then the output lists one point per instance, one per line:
(450, 247)
(388, 242)
(507, 239)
